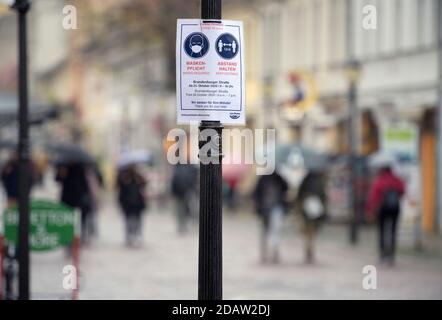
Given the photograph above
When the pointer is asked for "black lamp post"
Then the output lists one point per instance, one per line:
(210, 226)
(22, 7)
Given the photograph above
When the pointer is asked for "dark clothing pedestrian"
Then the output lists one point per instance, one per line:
(311, 201)
(231, 196)
(184, 187)
(75, 189)
(270, 192)
(10, 179)
(185, 178)
(270, 201)
(131, 196)
(76, 193)
(387, 224)
(384, 200)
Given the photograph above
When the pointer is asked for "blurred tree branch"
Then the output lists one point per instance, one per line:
(140, 23)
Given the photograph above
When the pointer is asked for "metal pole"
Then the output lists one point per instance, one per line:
(210, 226)
(352, 125)
(438, 215)
(352, 132)
(22, 7)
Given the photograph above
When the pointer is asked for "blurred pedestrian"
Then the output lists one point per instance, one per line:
(383, 203)
(311, 200)
(132, 199)
(96, 184)
(231, 194)
(270, 202)
(76, 193)
(232, 175)
(10, 178)
(184, 187)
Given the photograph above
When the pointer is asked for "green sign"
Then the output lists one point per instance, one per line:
(52, 225)
(401, 141)
(401, 134)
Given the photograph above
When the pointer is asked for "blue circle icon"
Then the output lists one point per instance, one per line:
(196, 45)
(227, 46)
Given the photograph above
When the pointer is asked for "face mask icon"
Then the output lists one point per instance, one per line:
(196, 44)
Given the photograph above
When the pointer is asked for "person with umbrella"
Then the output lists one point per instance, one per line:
(72, 173)
(304, 168)
(131, 187)
(76, 193)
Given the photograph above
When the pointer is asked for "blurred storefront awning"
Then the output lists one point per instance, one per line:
(38, 112)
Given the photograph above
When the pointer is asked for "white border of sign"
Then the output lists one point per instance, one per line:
(186, 112)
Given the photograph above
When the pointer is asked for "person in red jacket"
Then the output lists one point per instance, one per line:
(384, 199)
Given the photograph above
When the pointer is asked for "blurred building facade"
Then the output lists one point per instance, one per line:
(115, 84)
(110, 75)
(315, 40)
(43, 55)
(113, 74)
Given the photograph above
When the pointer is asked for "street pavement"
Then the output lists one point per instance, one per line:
(165, 266)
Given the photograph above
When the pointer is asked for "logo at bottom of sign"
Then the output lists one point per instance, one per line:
(234, 115)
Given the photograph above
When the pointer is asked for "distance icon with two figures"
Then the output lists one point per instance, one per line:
(227, 46)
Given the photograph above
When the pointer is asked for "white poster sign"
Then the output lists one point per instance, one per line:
(401, 141)
(210, 71)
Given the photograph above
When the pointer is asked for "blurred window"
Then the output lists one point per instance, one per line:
(337, 32)
(318, 22)
(398, 24)
(410, 24)
(360, 35)
(427, 23)
(271, 42)
(386, 26)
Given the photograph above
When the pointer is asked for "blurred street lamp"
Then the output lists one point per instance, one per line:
(5, 4)
(353, 71)
(22, 7)
(353, 74)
